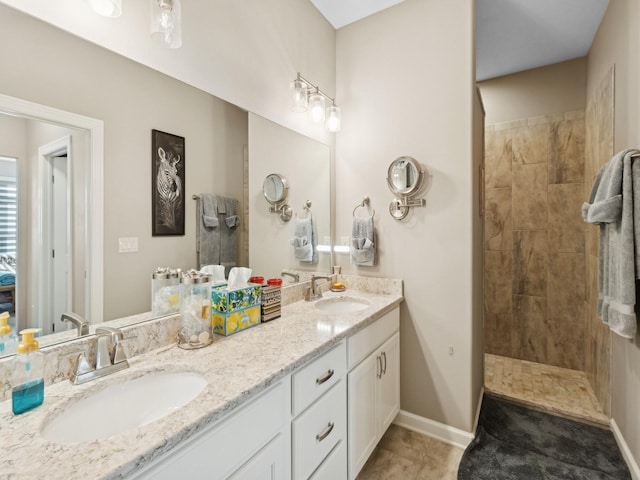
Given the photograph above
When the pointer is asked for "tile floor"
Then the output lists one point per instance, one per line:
(552, 389)
(406, 455)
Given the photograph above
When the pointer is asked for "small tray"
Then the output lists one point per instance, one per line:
(335, 289)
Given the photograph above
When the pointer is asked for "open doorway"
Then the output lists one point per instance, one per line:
(56, 292)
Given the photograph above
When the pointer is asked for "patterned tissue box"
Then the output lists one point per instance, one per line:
(235, 310)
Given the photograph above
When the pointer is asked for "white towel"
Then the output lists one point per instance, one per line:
(614, 205)
(363, 246)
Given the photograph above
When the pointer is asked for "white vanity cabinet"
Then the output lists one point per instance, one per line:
(250, 444)
(319, 425)
(373, 387)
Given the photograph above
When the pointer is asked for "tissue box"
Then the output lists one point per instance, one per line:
(235, 310)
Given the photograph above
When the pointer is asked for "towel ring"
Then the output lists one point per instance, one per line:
(366, 202)
(306, 207)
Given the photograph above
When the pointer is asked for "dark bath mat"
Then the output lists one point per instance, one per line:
(517, 443)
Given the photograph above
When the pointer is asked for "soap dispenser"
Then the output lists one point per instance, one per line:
(8, 338)
(28, 374)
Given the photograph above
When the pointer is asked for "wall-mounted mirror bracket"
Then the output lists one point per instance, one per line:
(275, 190)
(405, 178)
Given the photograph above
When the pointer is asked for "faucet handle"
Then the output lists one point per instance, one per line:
(83, 365)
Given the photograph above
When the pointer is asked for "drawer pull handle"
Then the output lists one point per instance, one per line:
(379, 366)
(384, 369)
(325, 434)
(325, 377)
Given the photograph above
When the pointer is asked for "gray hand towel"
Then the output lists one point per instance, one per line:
(363, 247)
(305, 241)
(207, 233)
(614, 205)
(209, 204)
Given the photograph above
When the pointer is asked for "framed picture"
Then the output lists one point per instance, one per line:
(167, 183)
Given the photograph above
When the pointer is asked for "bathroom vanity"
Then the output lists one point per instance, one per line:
(305, 396)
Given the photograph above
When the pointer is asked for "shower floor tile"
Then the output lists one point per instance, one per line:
(544, 387)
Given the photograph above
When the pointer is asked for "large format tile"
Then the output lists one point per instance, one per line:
(386, 465)
(566, 154)
(531, 144)
(530, 262)
(566, 287)
(497, 275)
(566, 227)
(529, 197)
(565, 344)
(530, 312)
(498, 158)
(497, 219)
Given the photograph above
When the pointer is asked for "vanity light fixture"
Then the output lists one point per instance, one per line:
(166, 22)
(305, 95)
(107, 8)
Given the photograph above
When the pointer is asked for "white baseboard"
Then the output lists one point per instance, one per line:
(445, 433)
(626, 451)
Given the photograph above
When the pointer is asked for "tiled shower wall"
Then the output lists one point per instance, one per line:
(598, 150)
(535, 239)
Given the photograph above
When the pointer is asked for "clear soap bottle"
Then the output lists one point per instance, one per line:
(28, 374)
(8, 339)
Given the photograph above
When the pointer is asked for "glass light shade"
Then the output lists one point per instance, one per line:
(166, 22)
(333, 119)
(107, 8)
(298, 96)
(316, 107)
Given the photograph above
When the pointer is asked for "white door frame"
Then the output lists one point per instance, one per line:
(44, 192)
(94, 293)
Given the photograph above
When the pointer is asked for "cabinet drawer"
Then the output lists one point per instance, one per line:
(312, 380)
(318, 430)
(364, 342)
(335, 466)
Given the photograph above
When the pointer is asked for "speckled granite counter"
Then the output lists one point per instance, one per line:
(237, 368)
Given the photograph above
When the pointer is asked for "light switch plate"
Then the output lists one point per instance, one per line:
(127, 244)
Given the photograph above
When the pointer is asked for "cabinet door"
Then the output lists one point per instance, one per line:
(267, 464)
(362, 387)
(388, 399)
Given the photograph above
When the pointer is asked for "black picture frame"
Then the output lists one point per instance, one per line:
(167, 183)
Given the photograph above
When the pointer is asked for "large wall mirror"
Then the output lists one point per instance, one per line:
(130, 100)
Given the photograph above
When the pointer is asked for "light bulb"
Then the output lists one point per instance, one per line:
(316, 107)
(107, 8)
(333, 119)
(298, 96)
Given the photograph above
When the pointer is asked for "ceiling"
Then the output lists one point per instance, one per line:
(512, 35)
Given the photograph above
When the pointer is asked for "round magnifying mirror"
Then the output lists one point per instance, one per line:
(405, 176)
(275, 188)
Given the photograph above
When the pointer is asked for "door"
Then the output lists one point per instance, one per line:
(362, 422)
(389, 384)
(59, 209)
(267, 464)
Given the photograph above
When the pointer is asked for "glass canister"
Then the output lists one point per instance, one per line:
(195, 309)
(165, 291)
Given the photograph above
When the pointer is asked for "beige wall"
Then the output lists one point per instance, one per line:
(556, 88)
(618, 42)
(56, 69)
(403, 93)
(305, 164)
(245, 52)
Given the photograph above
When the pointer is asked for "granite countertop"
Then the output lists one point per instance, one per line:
(237, 368)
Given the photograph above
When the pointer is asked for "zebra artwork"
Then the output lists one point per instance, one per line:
(168, 184)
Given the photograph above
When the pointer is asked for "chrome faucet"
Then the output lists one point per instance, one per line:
(313, 292)
(294, 276)
(105, 364)
(81, 324)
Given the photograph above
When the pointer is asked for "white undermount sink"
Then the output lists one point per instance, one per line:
(124, 406)
(340, 305)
